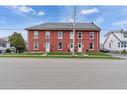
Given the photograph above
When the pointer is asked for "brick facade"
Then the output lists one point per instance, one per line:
(65, 40)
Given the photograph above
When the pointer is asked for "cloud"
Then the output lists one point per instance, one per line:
(120, 23)
(41, 13)
(26, 9)
(99, 20)
(70, 20)
(89, 11)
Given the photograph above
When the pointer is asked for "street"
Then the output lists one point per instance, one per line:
(62, 73)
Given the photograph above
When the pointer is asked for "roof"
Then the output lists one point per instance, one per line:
(3, 40)
(117, 31)
(64, 26)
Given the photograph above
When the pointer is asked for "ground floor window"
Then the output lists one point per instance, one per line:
(71, 44)
(125, 44)
(122, 44)
(91, 45)
(60, 46)
(35, 45)
(119, 44)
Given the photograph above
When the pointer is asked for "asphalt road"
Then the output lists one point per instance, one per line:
(47, 73)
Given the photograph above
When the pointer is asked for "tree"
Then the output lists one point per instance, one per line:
(17, 41)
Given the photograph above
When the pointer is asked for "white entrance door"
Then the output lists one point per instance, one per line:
(71, 47)
(47, 46)
(79, 47)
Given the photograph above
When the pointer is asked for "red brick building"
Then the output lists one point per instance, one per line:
(54, 37)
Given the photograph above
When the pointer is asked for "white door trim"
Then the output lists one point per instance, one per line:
(47, 46)
(80, 48)
(71, 48)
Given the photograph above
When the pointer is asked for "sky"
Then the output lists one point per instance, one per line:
(17, 18)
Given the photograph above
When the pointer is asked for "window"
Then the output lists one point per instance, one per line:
(71, 35)
(79, 45)
(3, 44)
(35, 45)
(119, 44)
(122, 44)
(60, 35)
(35, 35)
(125, 35)
(60, 46)
(109, 45)
(71, 44)
(91, 45)
(91, 35)
(80, 35)
(47, 35)
(125, 44)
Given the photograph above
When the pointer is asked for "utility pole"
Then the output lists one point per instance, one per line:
(74, 16)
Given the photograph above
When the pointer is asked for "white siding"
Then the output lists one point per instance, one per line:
(114, 42)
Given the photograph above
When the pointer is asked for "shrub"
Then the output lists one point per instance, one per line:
(124, 51)
(98, 53)
(8, 51)
(59, 53)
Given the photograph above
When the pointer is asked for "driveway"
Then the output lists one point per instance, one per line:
(124, 56)
(60, 73)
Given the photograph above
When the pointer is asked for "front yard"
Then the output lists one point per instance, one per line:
(59, 55)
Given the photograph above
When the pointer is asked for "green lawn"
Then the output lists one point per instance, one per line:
(58, 55)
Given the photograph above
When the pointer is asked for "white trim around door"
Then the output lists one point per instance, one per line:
(79, 46)
(47, 46)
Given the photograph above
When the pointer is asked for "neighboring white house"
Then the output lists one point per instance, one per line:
(4, 44)
(116, 40)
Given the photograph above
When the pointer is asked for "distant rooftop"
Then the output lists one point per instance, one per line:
(3, 40)
(64, 26)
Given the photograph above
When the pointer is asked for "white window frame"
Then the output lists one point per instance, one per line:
(37, 45)
(92, 35)
(110, 45)
(81, 35)
(60, 36)
(47, 35)
(35, 34)
(71, 35)
(71, 43)
(124, 45)
(119, 45)
(125, 35)
(58, 46)
(93, 46)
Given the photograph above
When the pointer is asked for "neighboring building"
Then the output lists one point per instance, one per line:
(4, 44)
(53, 37)
(116, 40)
(101, 46)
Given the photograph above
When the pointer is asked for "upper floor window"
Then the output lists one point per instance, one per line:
(35, 45)
(60, 35)
(35, 34)
(47, 35)
(71, 35)
(125, 35)
(91, 35)
(80, 35)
